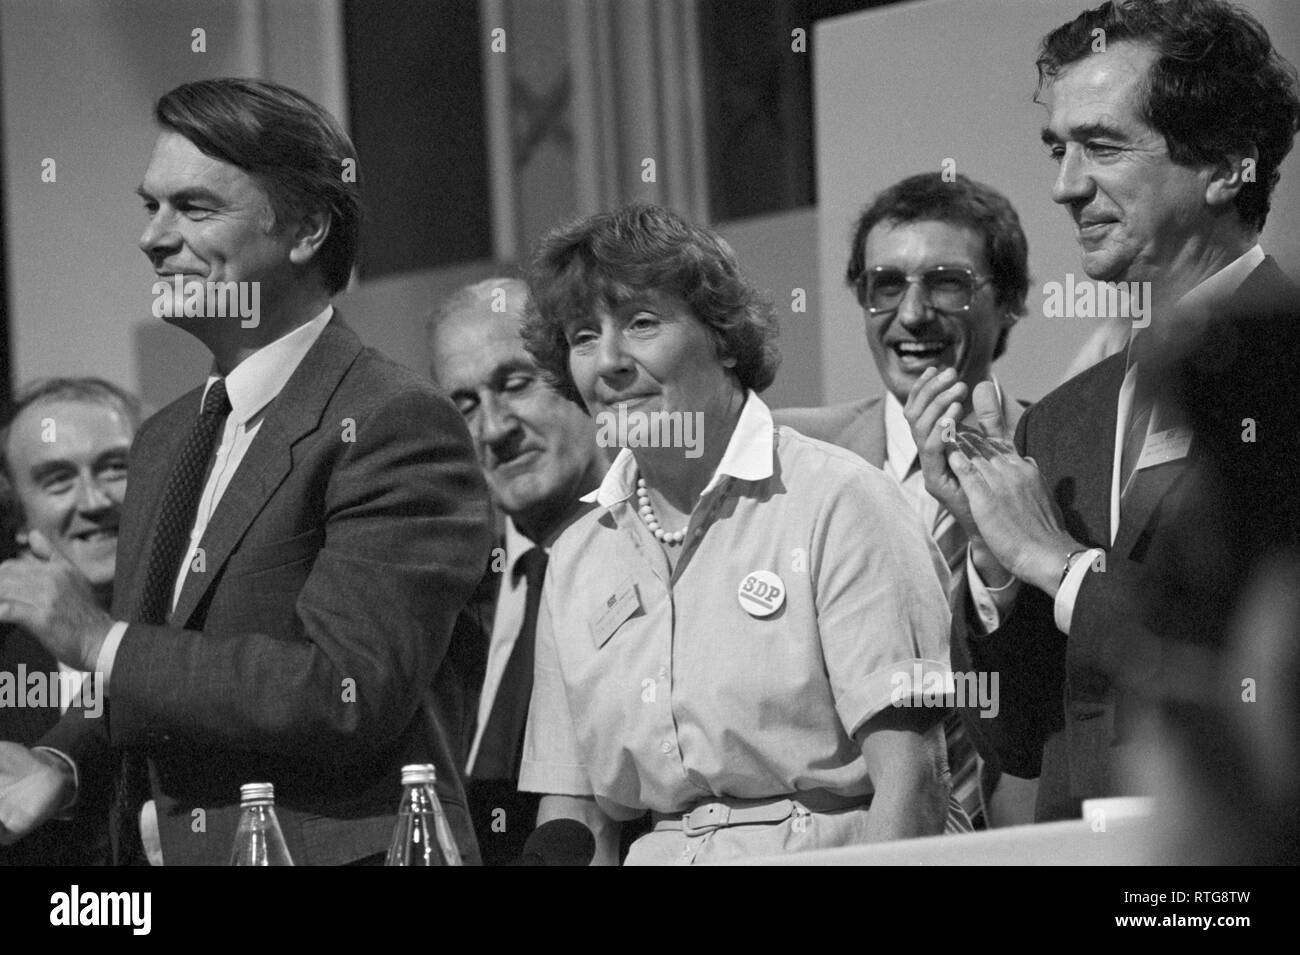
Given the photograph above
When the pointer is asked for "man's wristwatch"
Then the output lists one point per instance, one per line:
(1069, 562)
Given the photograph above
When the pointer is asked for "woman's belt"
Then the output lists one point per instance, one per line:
(723, 812)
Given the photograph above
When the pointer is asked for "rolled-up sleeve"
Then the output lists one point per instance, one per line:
(551, 761)
(882, 613)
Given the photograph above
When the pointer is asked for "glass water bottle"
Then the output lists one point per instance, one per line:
(259, 841)
(422, 835)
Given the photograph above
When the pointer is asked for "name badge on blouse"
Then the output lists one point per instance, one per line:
(619, 606)
(1165, 446)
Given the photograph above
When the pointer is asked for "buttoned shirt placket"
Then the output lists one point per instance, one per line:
(650, 550)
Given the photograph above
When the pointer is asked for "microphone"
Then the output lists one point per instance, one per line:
(559, 842)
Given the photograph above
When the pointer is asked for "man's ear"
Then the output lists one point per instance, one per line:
(309, 234)
(1229, 176)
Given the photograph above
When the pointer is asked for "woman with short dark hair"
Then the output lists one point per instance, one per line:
(737, 638)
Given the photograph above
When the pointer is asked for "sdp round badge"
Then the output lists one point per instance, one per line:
(761, 593)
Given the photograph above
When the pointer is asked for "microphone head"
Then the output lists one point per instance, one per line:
(559, 842)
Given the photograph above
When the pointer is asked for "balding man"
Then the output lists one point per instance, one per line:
(63, 457)
(539, 455)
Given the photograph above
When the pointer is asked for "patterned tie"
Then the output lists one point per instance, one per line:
(180, 502)
(502, 746)
(963, 761)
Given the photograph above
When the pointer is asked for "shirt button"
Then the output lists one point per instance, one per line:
(663, 673)
(666, 746)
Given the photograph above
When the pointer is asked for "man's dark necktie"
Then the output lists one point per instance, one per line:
(501, 749)
(180, 503)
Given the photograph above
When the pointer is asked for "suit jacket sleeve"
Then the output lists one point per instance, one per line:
(1109, 635)
(1027, 656)
(402, 538)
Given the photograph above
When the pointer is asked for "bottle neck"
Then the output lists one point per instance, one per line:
(421, 795)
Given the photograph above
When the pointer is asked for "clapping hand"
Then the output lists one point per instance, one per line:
(44, 594)
(1006, 496)
(34, 786)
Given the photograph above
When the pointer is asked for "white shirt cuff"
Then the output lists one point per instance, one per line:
(991, 603)
(1068, 593)
(108, 651)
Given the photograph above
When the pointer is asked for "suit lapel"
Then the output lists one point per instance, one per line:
(1259, 293)
(296, 411)
(1141, 505)
(1083, 472)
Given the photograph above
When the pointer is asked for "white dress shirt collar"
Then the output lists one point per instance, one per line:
(517, 543)
(900, 446)
(262, 375)
(748, 457)
(1200, 304)
(1223, 284)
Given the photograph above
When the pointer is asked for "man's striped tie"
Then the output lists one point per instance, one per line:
(963, 761)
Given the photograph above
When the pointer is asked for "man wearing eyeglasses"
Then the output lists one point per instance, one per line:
(940, 270)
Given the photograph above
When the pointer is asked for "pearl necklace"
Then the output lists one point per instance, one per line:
(647, 512)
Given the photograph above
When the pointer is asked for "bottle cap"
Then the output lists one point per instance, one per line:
(419, 774)
(255, 793)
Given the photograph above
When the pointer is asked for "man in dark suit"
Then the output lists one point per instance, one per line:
(1218, 722)
(940, 268)
(299, 535)
(63, 454)
(539, 455)
(1168, 136)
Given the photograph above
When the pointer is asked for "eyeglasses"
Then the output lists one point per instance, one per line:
(944, 288)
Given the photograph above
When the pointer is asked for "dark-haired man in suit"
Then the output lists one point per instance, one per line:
(299, 535)
(1168, 136)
